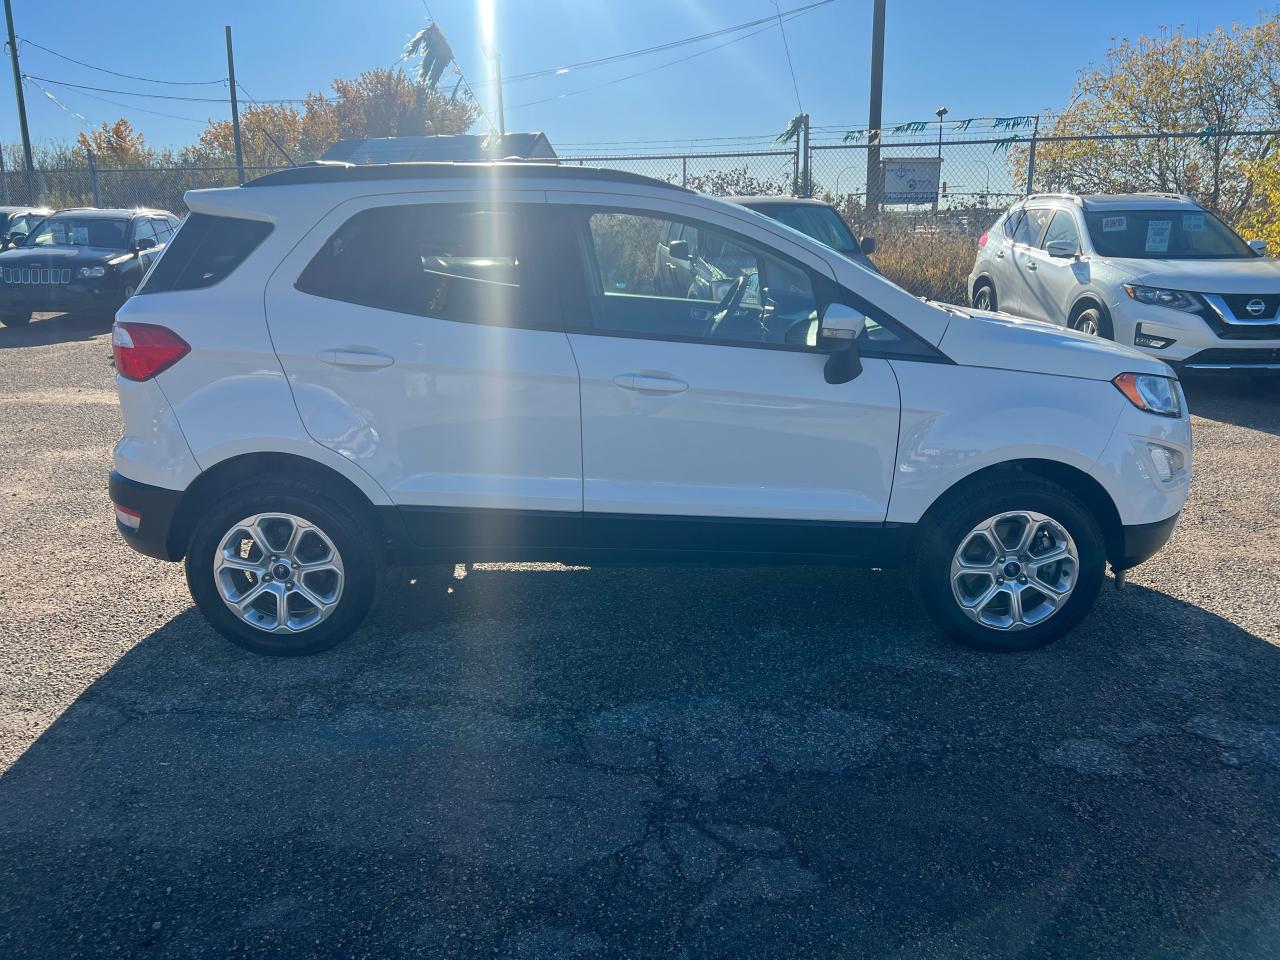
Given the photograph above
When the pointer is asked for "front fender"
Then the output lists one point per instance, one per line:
(957, 420)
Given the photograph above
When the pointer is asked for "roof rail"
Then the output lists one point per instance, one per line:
(1166, 195)
(1073, 197)
(327, 171)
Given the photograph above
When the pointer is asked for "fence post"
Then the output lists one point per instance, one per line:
(1031, 158)
(93, 179)
(795, 177)
(684, 172)
(4, 176)
(806, 180)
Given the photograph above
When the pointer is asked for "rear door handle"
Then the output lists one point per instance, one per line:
(367, 359)
(650, 383)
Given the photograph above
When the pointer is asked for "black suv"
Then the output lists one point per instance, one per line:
(84, 260)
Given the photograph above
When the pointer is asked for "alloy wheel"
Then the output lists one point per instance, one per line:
(1014, 570)
(278, 572)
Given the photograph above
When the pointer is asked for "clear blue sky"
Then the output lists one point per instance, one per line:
(977, 59)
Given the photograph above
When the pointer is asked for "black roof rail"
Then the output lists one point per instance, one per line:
(325, 171)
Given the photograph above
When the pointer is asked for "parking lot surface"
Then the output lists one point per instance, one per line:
(535, 761)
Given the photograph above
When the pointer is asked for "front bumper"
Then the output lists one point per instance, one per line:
(155, 508)
(1263, 360)
(1198, 344)
(59, 298)
(1142, 541)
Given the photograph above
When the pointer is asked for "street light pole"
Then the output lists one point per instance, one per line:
(940, 112)
(875, 176)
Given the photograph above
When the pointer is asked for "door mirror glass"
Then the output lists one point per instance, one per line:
(678, 249)
(1062, 249)
(1259, 247)
(868, 245)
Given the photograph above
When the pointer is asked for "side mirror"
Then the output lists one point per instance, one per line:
(1063, 249)
(1259, 247)
(838, 331)
(145, 243)
(678, 250)
(868, 245)
(15, 239)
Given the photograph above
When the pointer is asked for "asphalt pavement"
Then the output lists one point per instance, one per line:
(532, 761)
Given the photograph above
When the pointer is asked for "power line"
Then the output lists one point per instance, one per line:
(770, 21)
(790, 66)
(658, 48)
(126, 76)
(104, 130)
(167, 96)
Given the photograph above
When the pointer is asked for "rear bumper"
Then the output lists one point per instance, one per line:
(155, 507)
(1141, 541)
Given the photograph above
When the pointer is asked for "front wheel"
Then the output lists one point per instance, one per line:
(1013, 567)
(282, 569)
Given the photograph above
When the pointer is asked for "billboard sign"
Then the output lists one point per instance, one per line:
(911, 179)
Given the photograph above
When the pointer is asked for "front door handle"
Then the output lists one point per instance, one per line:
(366, 359)
(650, 383)
(1031, 265)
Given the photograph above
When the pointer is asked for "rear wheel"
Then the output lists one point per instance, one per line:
(1013, 566)
(984, 297)
(282, 569)
(19, 319)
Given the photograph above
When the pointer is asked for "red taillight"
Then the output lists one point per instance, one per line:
(143, 350)
(982, 240)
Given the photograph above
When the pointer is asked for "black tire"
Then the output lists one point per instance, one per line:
(361, 557)
(948, 526)
(1093, 320)
(15, 319)
(984, 296)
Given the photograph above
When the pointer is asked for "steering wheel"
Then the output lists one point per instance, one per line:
(728, 303)
(798, 331)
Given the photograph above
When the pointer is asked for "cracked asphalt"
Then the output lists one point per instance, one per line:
(533, 761)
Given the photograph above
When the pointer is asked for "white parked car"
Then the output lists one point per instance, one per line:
(1155, 271)
(335, 367)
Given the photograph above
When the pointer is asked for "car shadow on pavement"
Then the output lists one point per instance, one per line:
(58, 328)
(1253, 403)
(737, 763)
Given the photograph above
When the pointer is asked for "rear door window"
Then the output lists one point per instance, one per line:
(1031, 225)
(446, 261)
(203, 251)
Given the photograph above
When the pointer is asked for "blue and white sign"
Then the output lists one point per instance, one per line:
(911, 179)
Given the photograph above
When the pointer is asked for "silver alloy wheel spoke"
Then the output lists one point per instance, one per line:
(1014, 570)
(283, 557)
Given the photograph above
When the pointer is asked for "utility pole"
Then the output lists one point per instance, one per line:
(22, 104)
(497, 72)
(235, 107)
(875, 176)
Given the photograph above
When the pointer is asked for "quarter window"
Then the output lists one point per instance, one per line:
(203, 251)
(433, 260)
(707, 285)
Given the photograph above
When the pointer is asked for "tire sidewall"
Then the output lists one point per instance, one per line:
(360, 561)
(952, 525)
(991, 296)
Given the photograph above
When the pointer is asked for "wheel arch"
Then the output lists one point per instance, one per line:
(1087, 488)
(1083, 301)
(255, 467)
(982, 279)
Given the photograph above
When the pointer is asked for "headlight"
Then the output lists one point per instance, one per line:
(87, 272)
(1160, 297)
(1152, 393)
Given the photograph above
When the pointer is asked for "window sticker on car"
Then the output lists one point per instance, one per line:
(1114, 224)
(80, 236)
(1192, 222)
(1158, 235)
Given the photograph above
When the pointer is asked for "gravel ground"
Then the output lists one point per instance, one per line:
(575, 763)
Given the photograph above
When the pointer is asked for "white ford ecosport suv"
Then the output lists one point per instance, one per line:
(1156, 271)
(336, 367)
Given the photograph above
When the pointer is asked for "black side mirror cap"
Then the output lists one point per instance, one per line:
(146, 243)
(678, 249)
(867, 245)
(844, 364)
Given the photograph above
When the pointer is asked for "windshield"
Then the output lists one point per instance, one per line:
(79, 232)
(821, 223)
(1164, 235)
